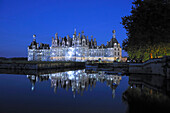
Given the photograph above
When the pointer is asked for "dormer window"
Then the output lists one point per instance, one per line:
(115, 45)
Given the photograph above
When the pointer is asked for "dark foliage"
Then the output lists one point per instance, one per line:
(148, 29)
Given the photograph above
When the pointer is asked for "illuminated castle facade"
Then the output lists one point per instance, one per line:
(77, 48)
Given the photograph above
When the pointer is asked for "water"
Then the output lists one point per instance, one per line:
(77, 91)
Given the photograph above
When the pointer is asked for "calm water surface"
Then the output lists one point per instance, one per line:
(79, 91)
(71, 91)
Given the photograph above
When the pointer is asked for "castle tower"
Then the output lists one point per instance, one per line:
(113, 41)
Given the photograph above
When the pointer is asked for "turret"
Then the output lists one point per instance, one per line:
(114, 41)
(33, 43)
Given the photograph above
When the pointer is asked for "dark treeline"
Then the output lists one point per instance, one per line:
(148, 29)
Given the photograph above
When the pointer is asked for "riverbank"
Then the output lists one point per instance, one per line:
(159, 66)
(39, 65)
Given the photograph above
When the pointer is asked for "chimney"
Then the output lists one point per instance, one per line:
(56, 35)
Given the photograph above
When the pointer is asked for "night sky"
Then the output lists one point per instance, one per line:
(20, 19)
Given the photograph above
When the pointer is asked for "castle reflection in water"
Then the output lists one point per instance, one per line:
(77, 80)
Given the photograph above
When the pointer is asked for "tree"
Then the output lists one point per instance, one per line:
(148, 29)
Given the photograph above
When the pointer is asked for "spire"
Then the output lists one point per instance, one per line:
(82, 32)
(114, 33)
(91, 37)
(34, 36)
(75, 31)
(67, 36)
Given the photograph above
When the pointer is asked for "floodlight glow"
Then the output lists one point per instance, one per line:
(70, 72)
(71, 77)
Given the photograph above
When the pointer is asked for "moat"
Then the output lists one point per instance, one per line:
(82, 91)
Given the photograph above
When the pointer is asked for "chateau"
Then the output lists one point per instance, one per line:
(78, 48)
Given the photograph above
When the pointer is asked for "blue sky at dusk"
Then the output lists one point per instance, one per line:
(20, 19)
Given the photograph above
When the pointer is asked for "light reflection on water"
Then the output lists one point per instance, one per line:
(82, 91)
(78, 80)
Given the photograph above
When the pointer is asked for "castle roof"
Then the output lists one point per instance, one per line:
(114, 40)
(35, 45)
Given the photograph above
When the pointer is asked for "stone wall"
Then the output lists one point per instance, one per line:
(40, 65)
(159, 66)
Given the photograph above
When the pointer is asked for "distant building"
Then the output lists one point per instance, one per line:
(77, 48)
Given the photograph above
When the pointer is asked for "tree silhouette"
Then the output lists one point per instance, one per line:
(148, 29)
